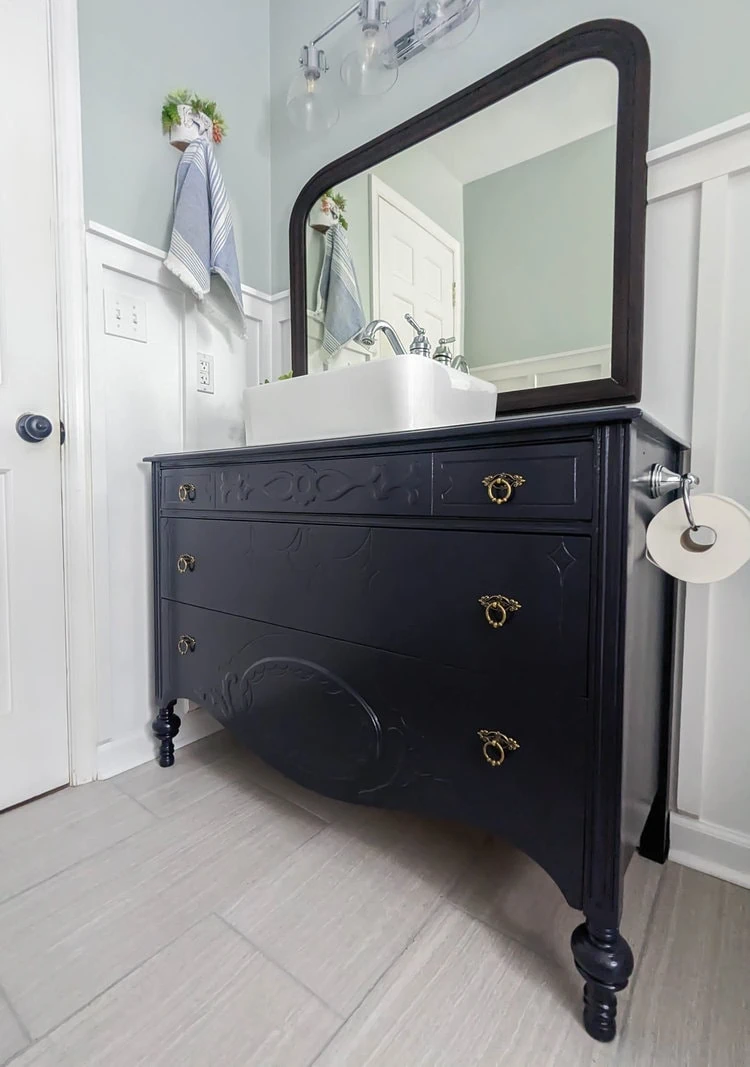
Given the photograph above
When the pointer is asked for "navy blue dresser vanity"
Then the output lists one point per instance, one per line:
(458, 622)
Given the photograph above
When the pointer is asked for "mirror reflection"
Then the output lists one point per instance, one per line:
(488, 247)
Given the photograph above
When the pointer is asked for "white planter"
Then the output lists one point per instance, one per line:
(324, 215)
(192, 125)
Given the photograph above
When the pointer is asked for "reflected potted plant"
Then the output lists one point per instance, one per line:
(186, 117)
(328, 212)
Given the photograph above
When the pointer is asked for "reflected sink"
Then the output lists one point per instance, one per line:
(384, 396)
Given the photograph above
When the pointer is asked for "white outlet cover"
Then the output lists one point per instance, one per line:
(205, 372)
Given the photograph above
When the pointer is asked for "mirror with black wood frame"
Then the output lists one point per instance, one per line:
(506, 222)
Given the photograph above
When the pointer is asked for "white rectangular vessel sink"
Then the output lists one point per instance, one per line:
(387, 395)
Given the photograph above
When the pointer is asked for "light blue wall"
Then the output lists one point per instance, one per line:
(700, 59)
(132, 53)
(539, 244)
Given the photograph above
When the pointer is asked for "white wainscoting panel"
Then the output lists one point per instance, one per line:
(581, 365)
(697, 382)
(144, 400)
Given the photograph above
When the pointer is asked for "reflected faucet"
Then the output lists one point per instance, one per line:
(367, 335)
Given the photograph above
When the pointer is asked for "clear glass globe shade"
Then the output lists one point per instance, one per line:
(445, 23)
(364, 70)
(309, 106)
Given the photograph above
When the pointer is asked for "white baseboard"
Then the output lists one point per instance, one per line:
(711, 849)
(115, 757)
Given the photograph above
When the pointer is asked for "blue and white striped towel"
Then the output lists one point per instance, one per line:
(202, 231)
(339, 302)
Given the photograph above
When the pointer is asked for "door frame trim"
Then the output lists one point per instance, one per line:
(72, 327)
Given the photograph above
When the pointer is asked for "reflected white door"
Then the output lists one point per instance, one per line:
(416, 268)
(33, 716)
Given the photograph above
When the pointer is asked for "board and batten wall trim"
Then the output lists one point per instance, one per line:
(143, 399)
(697, 285)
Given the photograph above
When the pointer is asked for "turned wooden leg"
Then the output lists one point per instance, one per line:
(166, 727)
(605, 961)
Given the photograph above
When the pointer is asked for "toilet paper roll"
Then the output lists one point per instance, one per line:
(671, 549)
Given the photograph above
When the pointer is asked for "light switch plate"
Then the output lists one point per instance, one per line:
(205, 373)
(125, 316)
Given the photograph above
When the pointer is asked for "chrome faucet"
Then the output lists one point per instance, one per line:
(367, 336)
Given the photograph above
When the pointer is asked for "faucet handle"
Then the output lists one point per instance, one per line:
(420, 346)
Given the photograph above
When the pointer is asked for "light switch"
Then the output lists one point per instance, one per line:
(124, 316)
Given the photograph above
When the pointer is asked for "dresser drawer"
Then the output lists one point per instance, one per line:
(188, 488)
(373, 727)
(413, 591)
(545, 481)
(367, 485)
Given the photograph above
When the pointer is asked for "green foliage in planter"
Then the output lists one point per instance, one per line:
(281, 378)
(170, 116)
(340, 201)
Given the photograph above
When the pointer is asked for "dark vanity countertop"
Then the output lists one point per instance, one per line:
(440, 436)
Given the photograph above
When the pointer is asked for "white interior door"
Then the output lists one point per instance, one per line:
(416, 268)
(33, 714)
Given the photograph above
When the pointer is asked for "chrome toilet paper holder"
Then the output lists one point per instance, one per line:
(664, 481)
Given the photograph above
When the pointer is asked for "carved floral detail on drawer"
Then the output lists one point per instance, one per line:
(313, 555)
(304, 485)
(288, 705)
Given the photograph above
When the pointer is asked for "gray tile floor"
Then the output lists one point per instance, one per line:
(216, 914)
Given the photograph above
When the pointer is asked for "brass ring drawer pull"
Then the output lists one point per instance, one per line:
(496, 746)
(500, 486)
(497, 609)
(186, 492)
(186, 644)
(185, 563)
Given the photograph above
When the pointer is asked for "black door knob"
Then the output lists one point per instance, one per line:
(33, 428)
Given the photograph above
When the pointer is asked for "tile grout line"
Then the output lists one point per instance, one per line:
(157, 820)
(123, 977)
(262, 952)
(22, 1026)
(545, 957)
(78, 862)
(139, 802)
(49, 1033)
(381, 978)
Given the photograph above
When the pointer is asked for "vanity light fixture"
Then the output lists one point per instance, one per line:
(384, 45)
(370, 69)
(309, 106)
(444, 23)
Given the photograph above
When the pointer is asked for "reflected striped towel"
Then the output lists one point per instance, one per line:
(339, 302)
(202, 231)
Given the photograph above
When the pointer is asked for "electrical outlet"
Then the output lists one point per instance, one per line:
(205, 373)
(124, 316)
